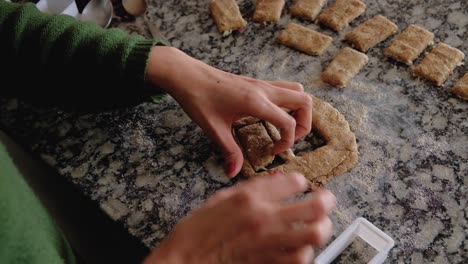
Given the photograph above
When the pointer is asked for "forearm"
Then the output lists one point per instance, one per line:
(43, 50)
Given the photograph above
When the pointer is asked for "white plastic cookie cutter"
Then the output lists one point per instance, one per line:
(365, 230)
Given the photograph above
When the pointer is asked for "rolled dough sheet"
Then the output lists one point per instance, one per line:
(339, 155)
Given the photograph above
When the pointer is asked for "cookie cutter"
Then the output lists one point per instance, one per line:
(98, 11)
(365, 230)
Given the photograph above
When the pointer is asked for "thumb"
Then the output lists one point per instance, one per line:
(232, 153)
(233, 157)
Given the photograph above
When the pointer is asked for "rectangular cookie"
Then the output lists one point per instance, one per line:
(461, 87)
(438, 64)
(307, 9)
(304, 39)
(257, 145)
(227, 16)
(268, 10)
(341, 13)
(371, 33)
(344, 67)
(409, 44)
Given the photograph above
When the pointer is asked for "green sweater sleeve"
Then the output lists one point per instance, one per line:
(57, 58)
(27, 233)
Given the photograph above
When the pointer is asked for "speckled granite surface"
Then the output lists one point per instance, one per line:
(148, 165)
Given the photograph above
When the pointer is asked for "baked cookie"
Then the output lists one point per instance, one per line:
(409, 44)
(438, 64)
(268, 10)
(341, 13)
(227, 16)
(339, 155)
(371, 33)
(461, 87)
(304, 39)
(344, 67)
(307, 9)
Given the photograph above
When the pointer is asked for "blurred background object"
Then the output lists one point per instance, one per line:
(99, 11)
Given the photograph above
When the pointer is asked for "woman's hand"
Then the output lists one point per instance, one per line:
(251, 223)
(215, 99)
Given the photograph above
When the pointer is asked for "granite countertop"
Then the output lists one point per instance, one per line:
(148, 165)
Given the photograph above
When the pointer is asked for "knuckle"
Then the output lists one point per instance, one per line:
(307, 100)
(319, 207)
(245, 200)
(320, 233)
(218, 196)
(298, 181)
(251, 95)
(290, 122)
(298, 86)
(299, 258)
(257, 224)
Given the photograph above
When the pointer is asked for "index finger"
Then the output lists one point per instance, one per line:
(277, 186)
(301, 104)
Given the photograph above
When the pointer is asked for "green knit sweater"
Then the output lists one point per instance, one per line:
(56, 59)
(71, 62)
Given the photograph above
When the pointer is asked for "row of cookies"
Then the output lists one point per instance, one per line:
(436, 66)
(407, 47)
(228, 18)
(337, 16)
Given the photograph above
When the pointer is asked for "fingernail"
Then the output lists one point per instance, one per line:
(230, 168)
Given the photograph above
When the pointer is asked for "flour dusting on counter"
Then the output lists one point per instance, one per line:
(149, 165)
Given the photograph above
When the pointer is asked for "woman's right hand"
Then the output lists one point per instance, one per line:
(214, 99)
(251, 223)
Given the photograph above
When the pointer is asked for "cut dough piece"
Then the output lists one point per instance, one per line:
(438, 64)
(344, 67)
(268, 10)
(341, 13)
(409, 44)
(304, 39)
(371, 33)
(257, 145)
(339, 155)
(307, 9)
(227, 16)
(461, 87)
(245, 121)
(276, 136)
